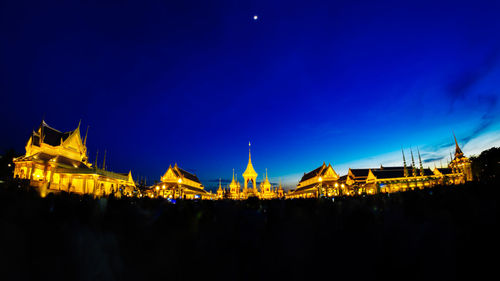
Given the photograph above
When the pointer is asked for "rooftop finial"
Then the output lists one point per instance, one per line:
(458, 151)
(104, 161)
(421, 166)
(85, 139)
(414, 171)
(404, 163)
(96, 155)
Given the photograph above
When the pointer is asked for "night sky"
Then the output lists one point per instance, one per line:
(192, 82)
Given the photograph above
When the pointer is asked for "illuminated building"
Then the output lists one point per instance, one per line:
(266, 190)
(322, 181)
(395, 179)
(178, 183)
(220, 191)
(55, 161)
(234, 189)
(280, 192)
(249, 176)
(461, 164)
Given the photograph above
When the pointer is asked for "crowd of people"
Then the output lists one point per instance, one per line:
(439, 233)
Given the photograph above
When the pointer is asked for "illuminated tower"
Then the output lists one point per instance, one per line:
(234, 188)
(220, 191)
(250, 175)
(421, 166)
(266, 191)
(281, 192)
(461, 164)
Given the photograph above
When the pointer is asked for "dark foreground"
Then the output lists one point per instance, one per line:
(440, 233)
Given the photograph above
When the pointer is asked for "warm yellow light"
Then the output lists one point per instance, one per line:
(320, 179)
(157, 188)
(342, 185)
(163, 187)
(336, 185)
(179, 181)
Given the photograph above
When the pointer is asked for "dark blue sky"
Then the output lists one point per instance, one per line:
(346, 82)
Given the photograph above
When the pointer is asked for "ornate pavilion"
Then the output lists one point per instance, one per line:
(178, 183)
(234, 192)
(55, 161)
(383, 179)
(322, 181)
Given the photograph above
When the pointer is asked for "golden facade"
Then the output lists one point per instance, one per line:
(250, 176)
(403, 178)
(178, 183)
(55, 161)
(220, 192)
(235, 189)
(267, 191)
(322, 181)
(461, 164)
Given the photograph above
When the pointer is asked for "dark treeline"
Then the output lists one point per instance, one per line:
(439, 233)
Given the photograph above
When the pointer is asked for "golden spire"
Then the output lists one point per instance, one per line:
(414, 171)
(250, 171)
(85, 139)
(233, 182)
(458, 151)
(404, 163)
(104, 161)
(96, 154)
(421, 166)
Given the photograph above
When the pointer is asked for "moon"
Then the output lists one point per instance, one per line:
(255, 17)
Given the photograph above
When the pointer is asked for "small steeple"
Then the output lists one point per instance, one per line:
(42, 135)
(249, 154)
(104, 161)
(414, 170)
(96, 155)
(85, 139)
(421, 166)
(404, 163)
(458, 151)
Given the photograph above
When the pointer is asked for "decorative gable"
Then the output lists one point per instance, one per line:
(169, 175)
(74, 142)
(330, 173)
